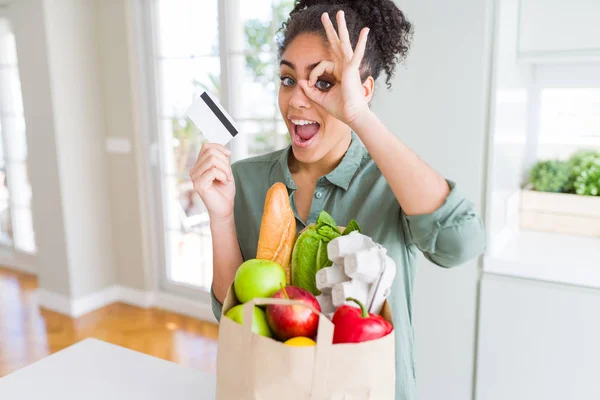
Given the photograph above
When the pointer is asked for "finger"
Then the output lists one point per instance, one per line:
(204, 168)
(323, 67)
(220, 147)
(344, 35)
(206, 181)
(215, 162)
(209, 152)
(312, 93)
(332, 37)
(212, 153)
(360, 47)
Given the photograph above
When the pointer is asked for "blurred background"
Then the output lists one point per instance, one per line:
(102, 234)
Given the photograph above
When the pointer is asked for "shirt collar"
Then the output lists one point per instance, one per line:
(342, 174)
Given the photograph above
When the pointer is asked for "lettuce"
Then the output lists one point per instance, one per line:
(310, 250)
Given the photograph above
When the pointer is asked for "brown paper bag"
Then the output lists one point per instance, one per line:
(253, 367)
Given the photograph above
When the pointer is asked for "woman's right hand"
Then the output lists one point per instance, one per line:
(213, 180)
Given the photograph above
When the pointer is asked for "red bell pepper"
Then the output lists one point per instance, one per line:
(353, 325)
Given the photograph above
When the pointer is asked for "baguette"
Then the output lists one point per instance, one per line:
(277, 229)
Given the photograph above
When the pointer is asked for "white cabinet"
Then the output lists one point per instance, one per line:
(559, 27)
(537, 340)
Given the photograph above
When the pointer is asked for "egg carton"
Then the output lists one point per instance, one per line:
(361, 269)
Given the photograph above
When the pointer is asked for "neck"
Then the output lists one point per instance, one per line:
(325, 165)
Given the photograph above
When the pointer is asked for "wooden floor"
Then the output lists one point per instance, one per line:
(28, 334)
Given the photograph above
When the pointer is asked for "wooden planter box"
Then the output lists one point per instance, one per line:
(560, 213)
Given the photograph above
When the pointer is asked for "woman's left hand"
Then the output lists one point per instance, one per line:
(346, 99)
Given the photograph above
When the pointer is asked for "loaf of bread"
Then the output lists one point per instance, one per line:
(278, 229)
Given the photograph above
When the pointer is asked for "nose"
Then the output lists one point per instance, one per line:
(298, 99)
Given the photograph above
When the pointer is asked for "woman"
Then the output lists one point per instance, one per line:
(328, 73)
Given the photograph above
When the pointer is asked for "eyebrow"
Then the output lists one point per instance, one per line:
(292, 66)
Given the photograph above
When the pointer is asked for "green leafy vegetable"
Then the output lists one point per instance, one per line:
(351, 227)
(325, 219)
(329, 232)
(310, 252)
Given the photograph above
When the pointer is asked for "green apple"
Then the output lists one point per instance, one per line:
(259, 320)
(258, 279)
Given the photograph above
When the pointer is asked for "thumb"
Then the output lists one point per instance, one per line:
(311, 92)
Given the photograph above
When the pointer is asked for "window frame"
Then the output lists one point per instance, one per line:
(11, 254)
(146, 42)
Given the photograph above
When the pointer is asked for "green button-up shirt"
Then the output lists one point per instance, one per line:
(356, 189)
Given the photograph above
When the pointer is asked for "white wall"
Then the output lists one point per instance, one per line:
(439, 107)
(56, 46)
(125, 181)
(76, 78)
(28, 23)
(79, 123)
(538, 341)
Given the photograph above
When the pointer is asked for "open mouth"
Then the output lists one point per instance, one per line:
(304, 132)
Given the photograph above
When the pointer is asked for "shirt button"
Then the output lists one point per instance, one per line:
(318, 195)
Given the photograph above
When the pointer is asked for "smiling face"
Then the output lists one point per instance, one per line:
(314, 132)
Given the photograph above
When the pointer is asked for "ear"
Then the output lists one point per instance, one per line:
(369, 87)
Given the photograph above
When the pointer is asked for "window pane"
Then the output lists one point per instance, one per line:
(180, 157)
(24, 238)
(5, 215)
(282, 9)
(570, 112)
(262, 137)
(207, 76)
(187, 27)
(258, 29)
(283, 134)
(182, 142)
(16, 142)
(173, 210)
(259, 94)
(2, 160)
(190, 256)
(262, 19)
(12, 85)
(188, 211)
(10, 51)
(182, 81)
(18, 183)
(188, 64)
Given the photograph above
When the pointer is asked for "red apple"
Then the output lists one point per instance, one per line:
(288, 321)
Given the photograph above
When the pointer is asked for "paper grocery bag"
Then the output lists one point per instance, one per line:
(254, 367)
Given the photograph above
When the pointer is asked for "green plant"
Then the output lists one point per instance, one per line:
(550, 176)
(585, 173)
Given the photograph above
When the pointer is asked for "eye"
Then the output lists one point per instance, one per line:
(323, 85)
(287, 81)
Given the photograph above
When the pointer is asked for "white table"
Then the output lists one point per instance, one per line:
(95, 370)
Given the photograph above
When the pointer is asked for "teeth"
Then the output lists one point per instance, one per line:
(302, 122)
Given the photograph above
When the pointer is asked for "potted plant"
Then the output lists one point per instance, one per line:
(563, 196)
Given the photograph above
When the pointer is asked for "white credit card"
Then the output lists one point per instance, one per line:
(210, 117)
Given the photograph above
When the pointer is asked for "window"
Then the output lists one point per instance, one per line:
(569, 109)
(189, 58)
(16, 226)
